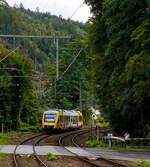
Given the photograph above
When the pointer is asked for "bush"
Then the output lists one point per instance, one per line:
(51, 157)
(28, 128)
(2, 157)
(97, 144)
(141, 163)
(4, 140)
(25, 159)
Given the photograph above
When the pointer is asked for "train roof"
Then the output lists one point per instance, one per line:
(65, 112)
(71, 112)
(51, 111)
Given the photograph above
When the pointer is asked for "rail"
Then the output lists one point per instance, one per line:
(35, 143)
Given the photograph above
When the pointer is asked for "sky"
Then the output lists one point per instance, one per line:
(57, 7)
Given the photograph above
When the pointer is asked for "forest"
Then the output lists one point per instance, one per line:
(119, 43)
(105, 64)
(28, 83)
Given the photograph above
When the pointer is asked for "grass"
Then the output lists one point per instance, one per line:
(138, 148)
(142, 163)
(97, 144)
(2, 157)
(51, 157)
(4, 139)
(101, 144)
(25, 159)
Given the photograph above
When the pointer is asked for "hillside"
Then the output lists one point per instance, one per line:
(29, 87)
(19, 21)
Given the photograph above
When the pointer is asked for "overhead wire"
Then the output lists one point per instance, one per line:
(72, 62)
(9, 54)
(39, 2)
(76, 10)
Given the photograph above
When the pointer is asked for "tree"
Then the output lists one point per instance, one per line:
(21, 6)
(68, 85)
(17, 88)
(114, 56)
(15, 5)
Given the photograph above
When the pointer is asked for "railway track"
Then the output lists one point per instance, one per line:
(39, 138)
(90, 159)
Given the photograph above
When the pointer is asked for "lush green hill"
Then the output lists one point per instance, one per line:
(26, 94)
(20, 21)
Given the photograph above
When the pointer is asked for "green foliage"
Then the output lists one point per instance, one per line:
(2, 157)
(26, 22)
(4, 140)
(25, 159)
(138, 148)
(15, 91)
(142, 163)
(24, 127)
(118, 39)
(68, 86)
(101, 122)
(18, 95)
(51, 157)
(97, 144)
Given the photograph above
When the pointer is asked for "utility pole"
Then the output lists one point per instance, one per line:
(55, 88)
(14, 42)
(43, 37)
(80, 98)
(57, 58)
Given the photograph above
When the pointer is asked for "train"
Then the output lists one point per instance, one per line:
(59, 119)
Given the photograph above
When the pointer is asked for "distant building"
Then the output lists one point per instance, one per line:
(95, 113)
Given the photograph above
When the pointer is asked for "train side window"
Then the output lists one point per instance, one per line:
(61, 119)
(74, 120)
(80, 118)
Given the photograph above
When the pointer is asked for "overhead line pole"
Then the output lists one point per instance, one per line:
(44, 37)
(57, 59)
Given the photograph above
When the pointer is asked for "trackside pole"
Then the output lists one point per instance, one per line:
(2, 129)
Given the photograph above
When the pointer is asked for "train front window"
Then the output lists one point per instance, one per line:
(50, 118)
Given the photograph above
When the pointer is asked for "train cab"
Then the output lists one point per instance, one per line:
(49, 119)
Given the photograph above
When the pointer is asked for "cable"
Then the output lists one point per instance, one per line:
(15, 69)
(72, 62)
(9, 54)
(39, 2)
(76, 10)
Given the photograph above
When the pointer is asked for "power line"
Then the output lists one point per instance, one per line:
(76, 10)
(72, 62)
(9, 54)
(15, 69)
(21, 76)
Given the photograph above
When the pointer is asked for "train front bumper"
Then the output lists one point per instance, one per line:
(49, 126)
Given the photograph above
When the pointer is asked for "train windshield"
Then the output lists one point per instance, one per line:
(50, 118)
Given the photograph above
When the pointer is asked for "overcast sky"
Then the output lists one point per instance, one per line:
(57, 7)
